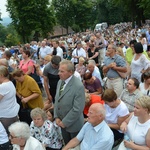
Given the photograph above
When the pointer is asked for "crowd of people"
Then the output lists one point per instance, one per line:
(86, 91)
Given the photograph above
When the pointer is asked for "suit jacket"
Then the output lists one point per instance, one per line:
(70, 104)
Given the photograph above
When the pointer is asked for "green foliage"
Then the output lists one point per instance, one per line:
(3, 34)
(138, 9)
(12, 37)
(31, 16)
(73, 13)
(8, 36)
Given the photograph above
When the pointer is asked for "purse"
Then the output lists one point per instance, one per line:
(37, 78)
(24, 114)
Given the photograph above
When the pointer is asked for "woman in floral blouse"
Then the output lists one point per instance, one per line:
(47, 132)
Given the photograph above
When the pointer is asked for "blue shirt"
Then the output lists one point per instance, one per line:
(99, 137)
(120, 62)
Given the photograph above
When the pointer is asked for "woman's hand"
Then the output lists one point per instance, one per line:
(24, 100)
(129, 144)
(123, 127)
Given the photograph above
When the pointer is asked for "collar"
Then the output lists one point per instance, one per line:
(134, 93)
(99, 126)
(67, 80)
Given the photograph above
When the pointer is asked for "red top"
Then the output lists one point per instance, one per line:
(94, 99)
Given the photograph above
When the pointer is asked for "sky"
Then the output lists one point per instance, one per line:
(3, 9)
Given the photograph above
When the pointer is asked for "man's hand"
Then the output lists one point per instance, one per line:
(59, 123)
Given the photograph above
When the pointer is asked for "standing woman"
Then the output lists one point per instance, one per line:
(139, 62)
(8, 104)
(26, 65)
(145, 83)
(27, 90)
(93, 53)
(144, 41)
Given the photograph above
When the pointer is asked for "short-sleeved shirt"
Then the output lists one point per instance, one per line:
(94, 138)
(112, 114)
(94, 86)
(90, 54)
(45, 51)
(130, 98)
(120, 62)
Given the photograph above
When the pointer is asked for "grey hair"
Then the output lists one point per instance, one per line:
(20, 129)
(69, 64)
(114, 47)
(38, 111)
(92, 62)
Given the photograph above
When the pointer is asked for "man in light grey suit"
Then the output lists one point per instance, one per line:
(69, 102)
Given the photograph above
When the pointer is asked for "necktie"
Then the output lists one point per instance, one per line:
(61, 87)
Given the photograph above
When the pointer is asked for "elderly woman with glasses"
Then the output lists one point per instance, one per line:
(47, 132)
(20, 137)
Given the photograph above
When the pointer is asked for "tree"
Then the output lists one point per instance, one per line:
(12, 37)
(3, 34)
(137, 9)
(31, 17)
(63, 12)
(73, 13)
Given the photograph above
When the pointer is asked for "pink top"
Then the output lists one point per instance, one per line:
(24, 66)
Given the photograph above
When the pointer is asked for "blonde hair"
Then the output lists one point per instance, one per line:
(4, 71)
(82, 59)
(87, 99)
(144, 101)
(48, 58)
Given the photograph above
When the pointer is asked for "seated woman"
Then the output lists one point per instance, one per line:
(9, 107)
(80, 67)
(28, 91)
(20, 137)
(145, 83)
(44, 130)
(116, 112)
(92, 84)
(137, 126)
(89, 100)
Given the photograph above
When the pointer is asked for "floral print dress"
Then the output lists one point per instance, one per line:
(49, 134)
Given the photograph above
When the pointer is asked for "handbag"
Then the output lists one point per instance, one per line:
(36, 77)
(24, 114)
